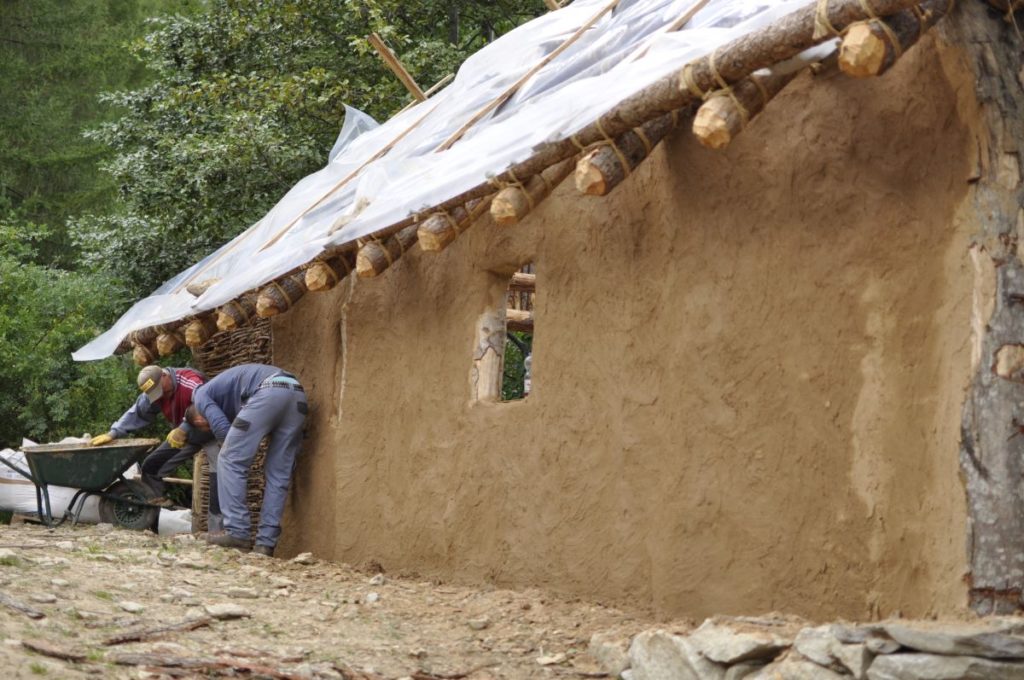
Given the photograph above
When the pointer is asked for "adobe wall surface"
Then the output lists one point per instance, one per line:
(748, 373)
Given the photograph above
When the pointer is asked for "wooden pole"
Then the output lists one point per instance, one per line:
(237, 313)
(199, 330)
(124, 346)
(604, 168)
(168, 343)
(513, 203)
(280, 295)
(727, 112)
(870, 48)
(439, 230)
(523, 282)
(519, 320)
(143, 355)
(783, 39)
(325, 274)
(396, 67)
(376, 256)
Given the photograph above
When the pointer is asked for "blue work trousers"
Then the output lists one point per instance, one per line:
(279, 411)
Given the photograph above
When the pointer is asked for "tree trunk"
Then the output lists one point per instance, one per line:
(992, 438)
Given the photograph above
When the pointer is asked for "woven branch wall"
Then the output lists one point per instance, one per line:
(248, 345)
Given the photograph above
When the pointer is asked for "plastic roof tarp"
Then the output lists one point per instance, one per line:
(623, 52)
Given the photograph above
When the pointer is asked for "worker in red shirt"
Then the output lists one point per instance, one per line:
(167, 391)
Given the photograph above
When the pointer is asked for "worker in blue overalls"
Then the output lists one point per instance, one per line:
(240, 407)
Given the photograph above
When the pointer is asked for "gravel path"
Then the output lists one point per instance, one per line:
(97, 597)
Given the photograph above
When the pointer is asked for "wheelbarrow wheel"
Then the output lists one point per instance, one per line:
(128, 515)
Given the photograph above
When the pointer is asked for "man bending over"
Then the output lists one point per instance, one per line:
(240, 407)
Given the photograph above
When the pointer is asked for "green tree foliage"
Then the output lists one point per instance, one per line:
(45, 313)
(518, 346)
(247, 99)
(56, 57)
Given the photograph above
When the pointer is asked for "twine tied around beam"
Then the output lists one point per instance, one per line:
(283, 293)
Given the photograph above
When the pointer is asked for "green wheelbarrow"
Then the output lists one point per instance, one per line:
(94, 471)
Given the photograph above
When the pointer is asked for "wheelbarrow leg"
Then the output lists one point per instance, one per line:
(48, 517)
(71, 513)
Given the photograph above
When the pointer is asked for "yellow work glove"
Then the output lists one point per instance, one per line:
(176, 437)
(102, 439)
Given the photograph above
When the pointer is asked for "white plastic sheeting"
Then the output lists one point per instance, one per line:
(625, 51)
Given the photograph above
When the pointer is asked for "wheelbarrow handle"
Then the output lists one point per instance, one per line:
(24, 473)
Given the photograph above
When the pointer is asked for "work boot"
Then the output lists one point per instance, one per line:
(215, 523)
(226, 540)
(265, 550)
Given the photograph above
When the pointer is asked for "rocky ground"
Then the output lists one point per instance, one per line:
(95, 601)
(92, 600)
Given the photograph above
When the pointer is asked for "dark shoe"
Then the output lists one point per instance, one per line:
(226, 540)
(265, 550)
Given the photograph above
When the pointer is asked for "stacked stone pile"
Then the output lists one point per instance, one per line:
(779, 648)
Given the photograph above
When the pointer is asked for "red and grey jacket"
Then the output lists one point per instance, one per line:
(184, 381)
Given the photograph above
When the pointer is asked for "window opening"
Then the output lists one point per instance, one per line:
(518, 357)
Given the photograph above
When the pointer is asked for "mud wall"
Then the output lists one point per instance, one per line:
(748, 373)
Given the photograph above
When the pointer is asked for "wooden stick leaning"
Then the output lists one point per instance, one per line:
(376, 256)
(392, 62)
(513, 203)
(439, 230)
(280, 295)
(727, 112)
(604, 168)
(870, 48)
(514, 87)
(326, 273)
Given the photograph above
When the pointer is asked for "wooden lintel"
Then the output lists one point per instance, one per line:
(519, 320)
(522, 281)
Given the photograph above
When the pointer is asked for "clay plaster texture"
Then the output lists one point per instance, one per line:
(748, 372)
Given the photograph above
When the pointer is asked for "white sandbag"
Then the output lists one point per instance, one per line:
(174, 522)
(18, 494)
